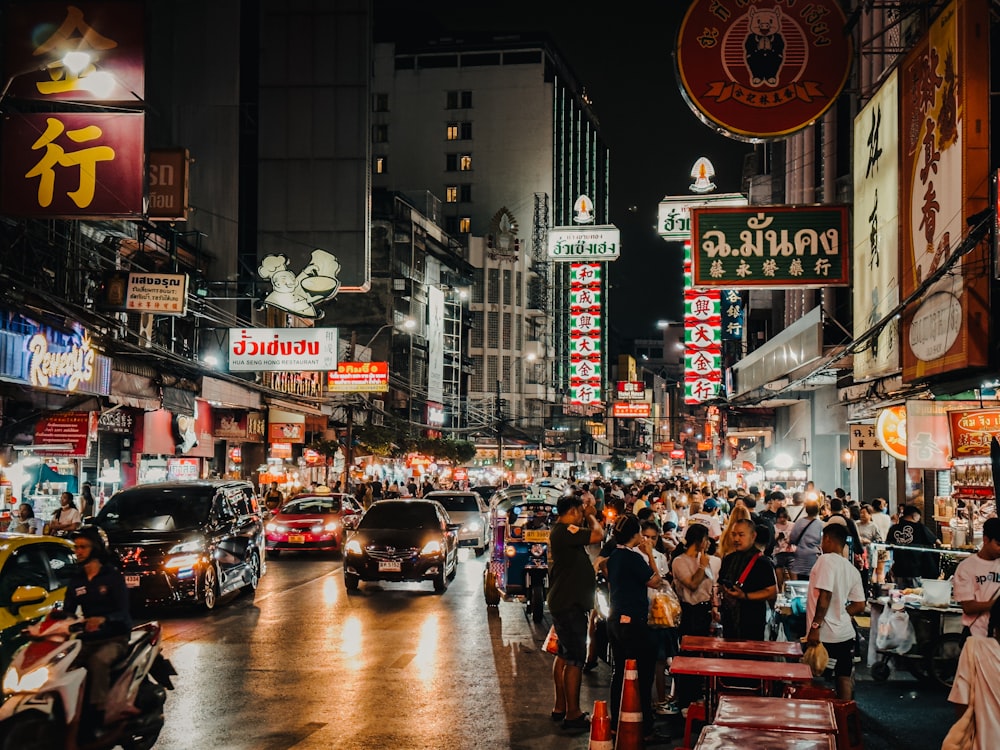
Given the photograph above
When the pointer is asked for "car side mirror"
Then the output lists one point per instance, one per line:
(27, 596)
(454, 527)
(351, 522)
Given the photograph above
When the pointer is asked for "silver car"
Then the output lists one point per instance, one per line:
(468, 509)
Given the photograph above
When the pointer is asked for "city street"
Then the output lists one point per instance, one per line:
(305, 666)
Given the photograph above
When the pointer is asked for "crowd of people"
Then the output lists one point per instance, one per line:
(725, 554)
(63, 522)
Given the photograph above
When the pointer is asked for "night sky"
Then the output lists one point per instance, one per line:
(622, 53)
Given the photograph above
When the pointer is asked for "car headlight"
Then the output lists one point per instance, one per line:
(433, 547)
(353, 547)
(271, 526)
(331, 526)
(472, 526)
(182, 561)
(13, 682)
(195, 546)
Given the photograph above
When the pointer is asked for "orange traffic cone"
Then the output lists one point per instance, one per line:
(630, 733)
(600, 727)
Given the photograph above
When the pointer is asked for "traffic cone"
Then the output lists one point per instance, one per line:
(630, 732)
(600, 727)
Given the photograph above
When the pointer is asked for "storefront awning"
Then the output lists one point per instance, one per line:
(228, 394)
(132, 390)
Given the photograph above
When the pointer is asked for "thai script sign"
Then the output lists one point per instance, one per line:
(771, 246)
(168, 184)
(252, 349)
(944, 173)
(159, 293)
(359, 377)
(876, 230)
(972, 431)
(121, 421)
(631, 409)
(67, 433)
(601, 242)
(759, 72)
(674, 213)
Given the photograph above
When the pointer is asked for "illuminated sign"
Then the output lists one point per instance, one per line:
(629, 390)
(674, 213)
(631, 409)
(294, 383)
(585, 281)
(584, 243)
(973, 431)
(359, 377)
(890, 431)
(253, 349)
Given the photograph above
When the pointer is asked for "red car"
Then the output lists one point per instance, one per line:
(312, 521)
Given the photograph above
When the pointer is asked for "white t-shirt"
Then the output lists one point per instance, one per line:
(795, 511)
(977, 580)
(986, 652)
(707, 519)
(883, 522)
(837, 575)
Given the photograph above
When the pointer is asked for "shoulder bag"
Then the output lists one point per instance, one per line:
(792, 546)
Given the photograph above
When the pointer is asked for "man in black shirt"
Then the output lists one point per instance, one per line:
(908, 567)
(748, 583)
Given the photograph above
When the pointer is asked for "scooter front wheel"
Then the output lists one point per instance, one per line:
(144, 741)
(32, 731)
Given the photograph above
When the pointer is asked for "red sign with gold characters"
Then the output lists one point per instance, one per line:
(629, 409)
(972, 431)
(359, 377)
(762, 70)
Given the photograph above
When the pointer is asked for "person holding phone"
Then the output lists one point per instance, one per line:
(747, 583)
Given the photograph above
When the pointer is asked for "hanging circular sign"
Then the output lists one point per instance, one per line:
(762, 71)
(890, 431)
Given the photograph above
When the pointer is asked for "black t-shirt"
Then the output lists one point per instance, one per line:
(571, 575)
(628, 573)
(906, 564)
(743, 619)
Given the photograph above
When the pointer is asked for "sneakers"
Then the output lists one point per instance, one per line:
(580, 723)
(666, 708)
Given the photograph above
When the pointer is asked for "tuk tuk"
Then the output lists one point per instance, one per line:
(519, 556)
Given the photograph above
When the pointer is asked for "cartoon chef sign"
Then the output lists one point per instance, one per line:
(301, 293)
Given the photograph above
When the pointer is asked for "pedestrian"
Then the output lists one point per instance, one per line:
(747, 582)
(782, 545)
(806, 537)
(869, 534)
(629, 634)
(572, 584)
(797, 508)
(976, 581)
(695, 573)
(707, 513)
(979, 666)
(880, 517)
(25, 522)
(834, 596)
(273, 500)
(739, 513)
(377, 489)
(87, 505)
(665, 639)
(908, 567)
(67, 519)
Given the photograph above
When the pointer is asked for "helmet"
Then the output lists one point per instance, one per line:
(98, 539)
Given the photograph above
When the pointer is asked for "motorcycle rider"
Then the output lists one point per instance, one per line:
(98, 589)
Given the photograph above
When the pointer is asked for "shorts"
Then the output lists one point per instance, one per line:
(667, 645)
(571, 630)
(843, 652)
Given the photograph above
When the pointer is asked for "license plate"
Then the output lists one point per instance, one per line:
(390, 566)
(296, 539)
(132, 582)
(536, 535)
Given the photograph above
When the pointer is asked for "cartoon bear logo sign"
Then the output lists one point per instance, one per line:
(763, 70)
(301, 293)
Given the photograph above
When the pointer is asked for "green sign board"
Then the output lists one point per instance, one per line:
(770, 246)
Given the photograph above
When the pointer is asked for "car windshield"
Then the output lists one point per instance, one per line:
(400, 516)
(312, 505)
(156, 509)
(454, 503)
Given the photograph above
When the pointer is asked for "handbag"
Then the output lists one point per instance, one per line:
(793, 546)
(551, 644)
(962, 735)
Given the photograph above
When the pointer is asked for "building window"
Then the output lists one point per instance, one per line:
(451, 162)
(451, 225)
(465, 193)
(451, 132)
(476, 320)
(519, 333)
(458, 100)
(493, 285)
(492, 330)
(380, 133)
(507, 320)
(465, 225)
(477, 285)
(506, 287)
(506, 374)
(518, 291)
(477, 373)
(380, 102)
(465, 163)
(451, 194)
(491, 369)
(458, 131)
(380, 164)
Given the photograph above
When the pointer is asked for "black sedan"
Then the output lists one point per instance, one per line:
(403, 540)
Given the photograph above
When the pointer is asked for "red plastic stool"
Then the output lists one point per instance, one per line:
(696, 712)
(848, 725)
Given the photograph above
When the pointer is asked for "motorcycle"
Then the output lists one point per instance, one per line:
(44, 692)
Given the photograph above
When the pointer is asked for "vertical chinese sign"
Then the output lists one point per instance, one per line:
(85, 164)
(585, 286)
(702, 339)
(944, 126)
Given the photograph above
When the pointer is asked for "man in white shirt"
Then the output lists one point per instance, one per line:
(835, 595)
(708, 515)
(883, 523)
(976, 582)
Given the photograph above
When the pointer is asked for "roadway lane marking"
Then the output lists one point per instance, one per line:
(268, 595)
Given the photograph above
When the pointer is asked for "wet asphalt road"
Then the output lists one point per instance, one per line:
(303, 665)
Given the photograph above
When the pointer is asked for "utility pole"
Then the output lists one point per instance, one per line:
(499, 422)
(349, 449)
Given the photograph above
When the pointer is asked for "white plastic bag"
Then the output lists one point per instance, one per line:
(895, 632)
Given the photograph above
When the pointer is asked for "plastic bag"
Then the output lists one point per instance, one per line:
(664, 609)
(551, 644)
(895, 632)
(817, 658)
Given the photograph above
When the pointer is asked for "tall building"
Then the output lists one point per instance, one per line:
(502, 133)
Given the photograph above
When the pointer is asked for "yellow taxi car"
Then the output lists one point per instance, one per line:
(34, 571)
